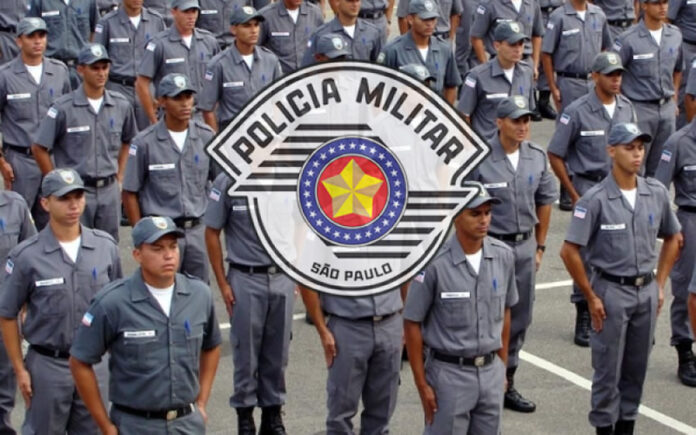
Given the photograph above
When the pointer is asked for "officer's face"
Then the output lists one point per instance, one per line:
(34, 44)
(348, 8)
(292, 4)
(185, 20)
(178, 108)
(473, 223)
(159, 261)
(133, 4)
(515, 130)
(247, 33)
(656, 11)
(509, 52)
(67, 209)
(608, 83)
(420, 27)
(628, 157)
(95, 75)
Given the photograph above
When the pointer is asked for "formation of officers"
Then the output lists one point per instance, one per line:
(106, 107)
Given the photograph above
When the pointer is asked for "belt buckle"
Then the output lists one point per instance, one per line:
(272, 270)
(172, 414)
(188, 224)
(479, 361)
(639, 281)
(519, 237)
(377, 318)
(101, 182)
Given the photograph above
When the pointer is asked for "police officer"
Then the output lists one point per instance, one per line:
(106, 6)
(28, 86)
(379, 13)
(448, 17)
(162, 7)
(419, 46)
(678, 164)
(55, 274)
(70, 27)
(364, 39)
(286, 29)
(575, 33)
(331, 46)
(182, 49)
(503, 76)
(214, 17)
(624, 214)
(234, 76)
(517, 173)
(259, 299)
(168, 170)
(89, 130)
(462, 38)
(459, 308)
(168, 316)
(682, 13)
(124, 33)
(11, 11)
(579, 142)
(651, 53)
(621, 15)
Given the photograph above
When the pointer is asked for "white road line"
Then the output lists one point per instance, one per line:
(548, 285)
(296, 316)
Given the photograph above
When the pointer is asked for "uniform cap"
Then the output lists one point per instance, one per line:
(29, 25)
(510, 32)
(425, 9)
(481, 197)
(152, 228)
(625, 133)
(607, 62)
(332, 45)
(513, 107)
(185, 5)
(59, 182)
(417, 71)
(92, 53)
(173, 84)
(244, 15)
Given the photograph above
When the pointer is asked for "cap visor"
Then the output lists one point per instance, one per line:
(256, 16)
(611, 68)
(427, 15)
(98, 60)
(336, 53)
(178, 91)
(65, 190)
(159, 234)
(514, 39)
(517, 114)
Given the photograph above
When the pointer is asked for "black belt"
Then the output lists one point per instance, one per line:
(270, 269)
(477, 361)
(47, 351)
(8, 29)
(164, 414)
(658, 101)
(548, 9)
(516, 237)
(688, 41)
(20, 150)
(442, 35)
(372, 15)
(125, 81)
(637, 281)
(373, 319)
(98, 182)
(584, 76)
(106, 10)
(186, 223)
(592, 177)
(620, 23)
(688, 208)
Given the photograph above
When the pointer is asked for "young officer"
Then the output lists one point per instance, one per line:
(449, 13)
(619, 221)
(459, 308)
(163, 339)
(55, 274)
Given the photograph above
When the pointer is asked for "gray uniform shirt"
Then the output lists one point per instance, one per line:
(678, 163)
(16, 224)
(366, 45)
(521, 190)
(23, 102)
(69, 26)
(649, 67)
(365, 306)
(124, 43)
(215, 17)
(284, 37)
(490, 13)
(230, 83)
(682, 13)
(605, 223)
(169, 182)
(86, 141)
(485, 86)
(462, 312)
(56, 290)
(617, 9)
(440, 59)
(445, 9)
(580, 137)
(154, 359)
(691, 82)
(11, 11)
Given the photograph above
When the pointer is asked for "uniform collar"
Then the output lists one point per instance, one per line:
(644, 32)
(410, 44)
(51, 244)
(614, 192)
(570, 10)
(596, 105)
(174, 34)
(18, 66)
(457, 253)
(139, 291)
(236, 56)
(80, 98)
(124, 18)
(509, 4)
(336, 26)
(283, 11)
(163, 131)
(498, 154)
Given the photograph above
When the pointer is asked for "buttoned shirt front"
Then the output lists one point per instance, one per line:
(617, 9)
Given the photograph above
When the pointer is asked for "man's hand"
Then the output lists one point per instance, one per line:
(204, 413)
(597, 313)
(538, 257)
(329, 345)
(24, 385)
(7, 173)
(536, 73)
(660, 299)
(227, 297)
(110, 430)
(556, 94)
(429, 402)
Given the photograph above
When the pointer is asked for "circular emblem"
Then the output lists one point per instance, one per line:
(422, 72)
(519, 102)
(35, 22)
(160, 223)
(632, 128)
(352, 191)
(180, 81)
(428, 5)
(515, 27)
(337, 43)
(613, 60)
(96, 50)
(248, 10)
(67, 176)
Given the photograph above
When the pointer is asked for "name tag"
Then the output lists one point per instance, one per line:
(119, 40)
(233, 84)
(692, 167)
(161, 166)
(209, 12)
(175, 60)
(499, 95)
(592, 133)
(455, 295)
(570, 32)
(691, 2)
(139, 334)
(612, 227)
(78, 129)
(495, 185)
(643, 56)
(18, 96)
(50, 13)
(280, 33)
(49, 282)
(239, 208)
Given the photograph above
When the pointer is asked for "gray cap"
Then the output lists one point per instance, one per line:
(332, 45)
(481, 198)
(92, 53)
(513, 107)
(244, 15)
(60, 182)
(152, 228)
(510, 32)
(173, 84)
(417, 71)
(607, 62)
(29, 25)
(425, 9)
(625, 133)
(185, 5)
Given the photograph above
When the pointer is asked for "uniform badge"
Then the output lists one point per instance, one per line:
(515, 27)
(428, 5)
(248, 10)
(420, 277)
(337, 43)
(87, 319)
(564, 119)
(133, 150)
(67, 176)
(180, 81)
(612, 58)
(666, 156)
(96, 50)
(580, 212)
(52, 112)
(520, 101)
(9, 267)
(214, 195)
(160, 223)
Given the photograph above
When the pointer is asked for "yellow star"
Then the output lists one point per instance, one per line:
(352, 191)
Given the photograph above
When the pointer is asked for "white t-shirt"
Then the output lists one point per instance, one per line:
(630, 196)
(350, 30)
(163, 296)
(474, 260)
(424, 53)
(187, 40)
(294, 14)
(96, 103)
(179, 138)
(581, 15)
(35, 71)
(72, 248)
(657, 35)
(610, 108)
(514, 158)
(136, 21)
(508, 73)
(67, 2)
(248, 59)
(517, 4)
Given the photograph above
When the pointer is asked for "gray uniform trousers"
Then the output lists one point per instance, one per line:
(367, 362)
(103, 208)
(28, 184)
(141, 118)
(581, 185)
(56, 407)
(521, 313)
(572, 89)
(620, 350)
(616, 31)
(194, 256)
(128, 424)
(8, 387)
(689, 54)
(659, 121)
(473, 396)
(680, 277)
(261, 324)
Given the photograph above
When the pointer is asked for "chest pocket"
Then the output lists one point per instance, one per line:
(54, 23)
(21, 105)
(164, 179)
(115, 129)
(82, 20)
(688, 177)
(645, 64)
(90, 282)
(142, 348)
(456, 312)
(79, 139)
(615, 239)
(9, 238)
(570, 40)
(120, 48)
(189, 339)
(52, 296)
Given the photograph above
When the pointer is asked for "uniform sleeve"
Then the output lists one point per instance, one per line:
(101, 33)
(34, 9)
(263, 33)
(116, 269)
(457, 9)
(136, 167)
(212, 83)
(583, 221)
(691, 82)
(402, 9)
(216, 213)
(94, 335)
(482, 21)
(308, 57)
(547, 192)
(211, 335)
(468, 98)
(563, 135)
(606, 35)
(93, 16)
(666, 165)
(512, 296)
(420, 295)
(377, 49)
(130, 128)
(553, 32)
(669, 224)
(27, 228)
(51, 128)
(67, 87)
(278, 70)
(679, 64)
(674, 8)
(538, 25)
(3, 94)
(14, 291)
(623, 50)
(452, 77)
(152, 57)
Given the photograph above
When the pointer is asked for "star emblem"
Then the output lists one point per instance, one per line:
(352, 191)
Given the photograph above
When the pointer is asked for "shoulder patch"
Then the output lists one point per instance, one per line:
(550, 26)
(565, 119)
(420, 277)
(480, 10)
(9, 266)
(470, 82)
(617, 45)
(580, 212)
(150, 46)
(666, 156)
(87, 319)
(209, 75)
(215, 194)
(52, 113)
(381, 57)
(98, 28)
(133, 150)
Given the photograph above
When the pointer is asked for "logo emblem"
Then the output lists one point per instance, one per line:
(352, 174)
(632, 128)
(428, 5)
(248, 10)
(515, 27)
(180, 81)
(613, 59)
(96, 50)
(67, 176)
(337, 43)
(519, 102)
(160, 223)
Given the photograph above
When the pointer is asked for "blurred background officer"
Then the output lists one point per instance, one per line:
(89, 130)
(682, 13)
(517, 173)
(331, 46)
(651, 54)
(124, 33)
(70, 27)
(364, 39)
(259, 299)
(578, 146)
(54, 275)
(168, 172)
(462, 38)
(678, 164)
(471, 277)
(155, 312)
(418, 45)
(379, 13)
(106, 6)
(28, 87)
(502, 76)
(621, 14)
(214, 17)
(286, 28)
(235, 75)
(11, 11)
(181, 49)
(448, 17)
(618, 221)
(162, 7)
